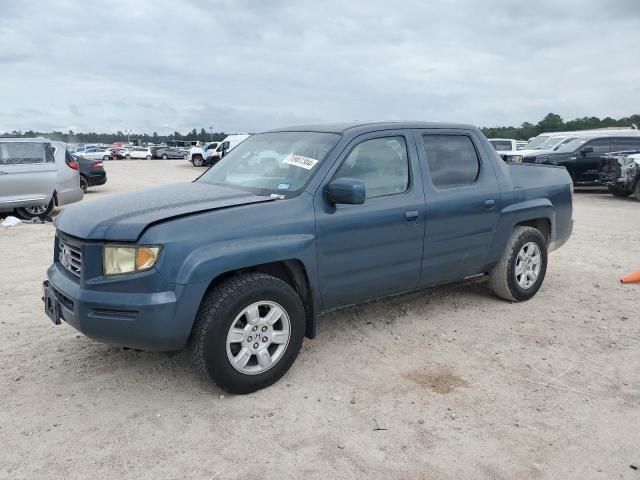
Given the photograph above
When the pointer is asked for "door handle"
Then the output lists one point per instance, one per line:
(489, 204)
(411, 216)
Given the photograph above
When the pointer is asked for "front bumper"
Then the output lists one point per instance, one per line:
(147, 321)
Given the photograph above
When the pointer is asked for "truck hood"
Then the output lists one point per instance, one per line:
(123, 217)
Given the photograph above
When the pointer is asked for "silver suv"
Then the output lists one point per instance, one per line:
(36, 175)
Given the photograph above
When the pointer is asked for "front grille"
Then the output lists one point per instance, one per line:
(70, 257)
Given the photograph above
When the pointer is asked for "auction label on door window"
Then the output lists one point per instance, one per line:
(300, 161)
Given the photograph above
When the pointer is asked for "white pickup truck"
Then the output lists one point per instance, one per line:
(211, 152)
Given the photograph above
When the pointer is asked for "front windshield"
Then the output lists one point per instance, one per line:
(536, 142)
(572, 145)
(550, 142)
(278, 163)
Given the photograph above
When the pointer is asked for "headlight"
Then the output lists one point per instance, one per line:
(119, 259)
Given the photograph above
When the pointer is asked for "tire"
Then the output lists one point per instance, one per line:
(84, 184)
(197, 161)
(127, 156)
(148, 157)
(29, 213)
(503, 278)
(618, 192)
(164, 157)
(106, 157)
(185, 156)
(222, 309)
(636, 189)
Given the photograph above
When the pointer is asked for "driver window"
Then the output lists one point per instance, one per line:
(381, 163)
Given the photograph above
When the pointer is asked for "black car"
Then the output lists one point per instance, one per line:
(170, 152)
(582, 156)
(91, 172)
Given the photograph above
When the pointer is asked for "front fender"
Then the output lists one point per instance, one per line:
(207, 262)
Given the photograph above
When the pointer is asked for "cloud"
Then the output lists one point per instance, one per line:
(246, 66)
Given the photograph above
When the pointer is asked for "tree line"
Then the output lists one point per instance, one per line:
(119, 136)
(552, 122)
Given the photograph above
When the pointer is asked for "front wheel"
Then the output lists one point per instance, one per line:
(105, 158)
(185, 156)
(636, 189)
(248, 332)
(127, 156)
(197, 161)
(148, 157)
(521, 270)
(164, 157)
(37, 211)
(619, 192)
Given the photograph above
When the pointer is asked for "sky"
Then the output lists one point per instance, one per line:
(245, 66)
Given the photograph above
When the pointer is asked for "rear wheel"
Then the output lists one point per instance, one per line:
(127, 156)
(148, 157)
(248, 332)
(84, 184)
(105, 158)
(636, 189)
(164, 156)
(36, 211)
(521, 270)
(185, 156)
(619, 192)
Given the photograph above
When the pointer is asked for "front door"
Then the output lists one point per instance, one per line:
(587, 167)
(463, 201)
(374, 249)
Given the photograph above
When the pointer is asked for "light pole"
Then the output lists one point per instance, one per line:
(128, 132)
(211, 132)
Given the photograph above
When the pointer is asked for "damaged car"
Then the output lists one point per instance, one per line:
(620, 171)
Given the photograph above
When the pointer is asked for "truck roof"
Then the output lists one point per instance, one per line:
(361, 127)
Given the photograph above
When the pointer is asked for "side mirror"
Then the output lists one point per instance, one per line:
(349, 191)
(586, 150)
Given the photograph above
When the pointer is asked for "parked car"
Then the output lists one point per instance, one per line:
(520, 144)
(307, 219)
(198, 154)
(92, 172)
(35, 176)
(581, 156)
(170, 152)
(620, 171)
(97, 153)
(504, 144)
(82, 149)
(120, 153)
(212, 155)
(552, 142)
(141, 152)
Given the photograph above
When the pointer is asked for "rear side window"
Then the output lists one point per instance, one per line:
(452, 159)
(625, 144)
(20, 153)
(381, 163)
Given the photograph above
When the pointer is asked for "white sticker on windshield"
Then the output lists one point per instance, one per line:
(300, 161)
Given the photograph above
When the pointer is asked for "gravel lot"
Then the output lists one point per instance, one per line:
(446, 383)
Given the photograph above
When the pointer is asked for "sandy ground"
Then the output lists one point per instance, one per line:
(447, 383)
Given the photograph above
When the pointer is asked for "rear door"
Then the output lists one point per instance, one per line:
(27, 174)
(463, 201)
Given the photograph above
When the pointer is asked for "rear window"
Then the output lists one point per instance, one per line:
(452, 159)
(18, 153)
(501, 144)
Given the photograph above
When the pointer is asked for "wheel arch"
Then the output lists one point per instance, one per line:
(291, 271)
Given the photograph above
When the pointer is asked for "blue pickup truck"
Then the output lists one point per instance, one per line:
(294, 222)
